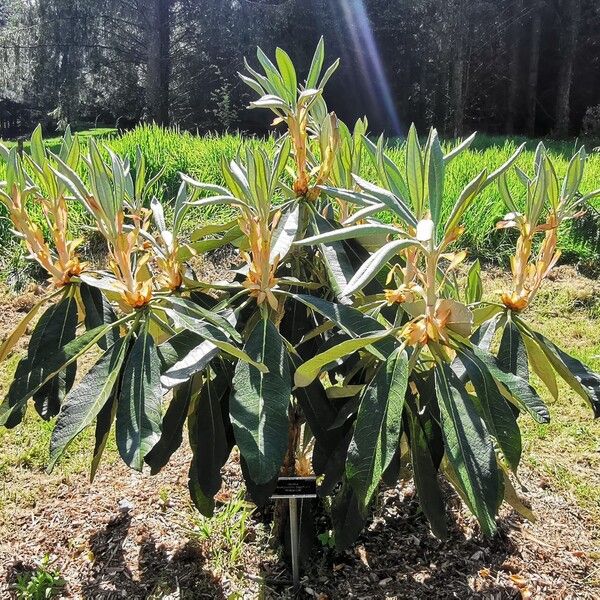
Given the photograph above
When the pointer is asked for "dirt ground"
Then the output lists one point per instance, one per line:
(129, 535)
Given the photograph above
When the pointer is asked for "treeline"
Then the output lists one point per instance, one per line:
(501, 66)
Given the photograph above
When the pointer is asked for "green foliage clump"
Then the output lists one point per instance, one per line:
(343, 345)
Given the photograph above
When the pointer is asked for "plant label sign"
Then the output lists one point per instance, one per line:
(295, 487)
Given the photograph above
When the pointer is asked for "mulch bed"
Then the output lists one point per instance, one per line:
(116, 539)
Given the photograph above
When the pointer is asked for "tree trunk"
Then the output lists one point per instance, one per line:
(534, 64)
(514, 66)
(158, 65)
(567, 47)
(458, 70)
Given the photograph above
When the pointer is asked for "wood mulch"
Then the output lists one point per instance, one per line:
(120, 538)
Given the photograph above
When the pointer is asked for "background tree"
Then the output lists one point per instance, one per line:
(461, 65)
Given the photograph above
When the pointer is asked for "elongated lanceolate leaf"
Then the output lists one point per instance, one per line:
(581, 379)
(337, 263)
(378, 425)
(212, 334)
(139, 410)
(374, 264)
(85, 401)
(345, 233)
(98, 311)
(468, 447)
(173, 421)
(25, 384)
(540, 364)
(259, 403)
(497, 414)
(207, 434)
(426, 479)
(285, 233)
(309, 371)
(524, 395)
(512, 355)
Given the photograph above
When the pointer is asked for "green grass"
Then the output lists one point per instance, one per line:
(567, 450)
(200, 157)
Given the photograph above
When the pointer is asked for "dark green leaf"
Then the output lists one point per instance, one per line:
(468, 447)
(512, 356)
(104, 422)
(139, 411)
(182, 356)
(346, 517)
(259, 403)
(497, 414)
(523, 394)
(378, 426)
(98, 311)
(337, 263)
(207, 431)
(425, 477)
(54, 330)
(85, 401)
(173, 421)
(583, 381)
(26, 383)
(261, 493)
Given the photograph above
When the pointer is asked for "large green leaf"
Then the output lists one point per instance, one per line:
(309, 371)
(329, 452)
(522, 393)
(583, 381)
(173, 421)
(104, 421)
(139, 411)
(346, 517)
(259, 403)
(540, 364)
(378, 426)
(288, 73)
(512, 355)
(54, 330)
(182, 356)
(285, 233)
(371, 267)
(468, 447)
(348, 319)
(190, 309)
(207, 433)
(85, 401)
(345, 233)
(212, 334)
(425, 478)
(436, 180)
(176, 348)
(497, 414)
(337, 263)
(415, 176)
(26, 383)
(98, 311)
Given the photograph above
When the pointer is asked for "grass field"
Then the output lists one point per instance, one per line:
(200, 156)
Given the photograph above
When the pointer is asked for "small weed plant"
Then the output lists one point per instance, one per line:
(41, 584)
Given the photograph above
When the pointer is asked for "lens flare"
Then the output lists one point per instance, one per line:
(371, 65)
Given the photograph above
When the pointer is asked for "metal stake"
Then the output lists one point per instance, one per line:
(293, 503)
